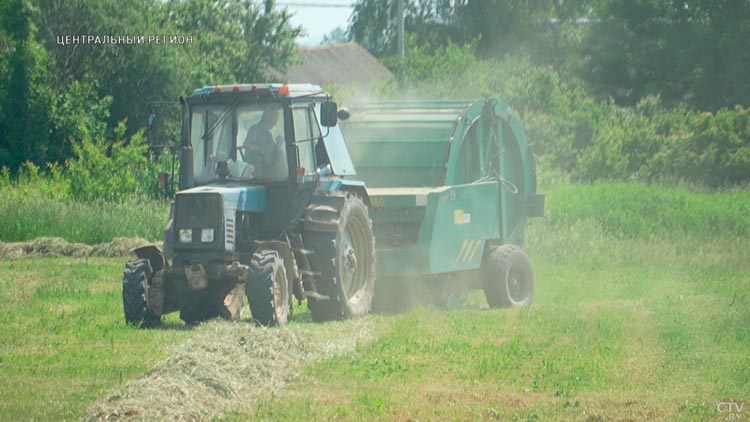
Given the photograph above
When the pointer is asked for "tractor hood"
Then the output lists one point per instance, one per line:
(240, 198)
(212, 210)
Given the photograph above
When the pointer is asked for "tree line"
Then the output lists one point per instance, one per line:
(688, 52)
(645, 89)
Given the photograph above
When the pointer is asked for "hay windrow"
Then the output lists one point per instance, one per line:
(56, 246)
(225, 367)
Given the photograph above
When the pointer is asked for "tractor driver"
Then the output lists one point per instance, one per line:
(261, 149)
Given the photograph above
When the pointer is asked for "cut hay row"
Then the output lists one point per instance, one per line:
(56, 246)
(225, 368)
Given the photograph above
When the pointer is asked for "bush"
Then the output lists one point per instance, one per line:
(655, 144)
(114, 170)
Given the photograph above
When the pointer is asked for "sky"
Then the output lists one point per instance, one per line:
(317, 17)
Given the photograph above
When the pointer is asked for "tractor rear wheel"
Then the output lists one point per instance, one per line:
(135, 283)
(268, 288)
(508, 278)
(345, 260)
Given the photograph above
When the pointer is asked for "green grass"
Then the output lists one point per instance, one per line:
(28, 213)
(641, 211)
(64, 340)
(621, 209)
(648, 325)
(642, 311)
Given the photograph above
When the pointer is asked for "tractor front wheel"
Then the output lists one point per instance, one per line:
(508, 278)
(268, 288)
(135, 282)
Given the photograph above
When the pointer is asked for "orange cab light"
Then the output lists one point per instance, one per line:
(284, 90)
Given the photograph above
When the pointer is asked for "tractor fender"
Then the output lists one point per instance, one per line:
(154, 256)
(322, 214)
(357, 189)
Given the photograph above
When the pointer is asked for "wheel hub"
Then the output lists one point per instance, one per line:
(350, 260)
(515, 289)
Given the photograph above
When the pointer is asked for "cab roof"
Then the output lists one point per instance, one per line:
(265, 89)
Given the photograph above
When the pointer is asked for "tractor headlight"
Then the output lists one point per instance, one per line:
(207, 235)
(186, 235)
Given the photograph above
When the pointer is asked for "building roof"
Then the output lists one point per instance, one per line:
(346, 64)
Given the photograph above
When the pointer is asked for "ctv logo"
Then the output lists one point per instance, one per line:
(731, 410)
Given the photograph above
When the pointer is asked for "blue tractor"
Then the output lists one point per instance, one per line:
(264, 210)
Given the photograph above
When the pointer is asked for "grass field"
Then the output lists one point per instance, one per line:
(64, 341)
(620, 330)
(626, 325)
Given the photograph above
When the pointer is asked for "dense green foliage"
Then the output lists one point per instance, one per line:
(501, 26)
(63, 78)
(687, 51)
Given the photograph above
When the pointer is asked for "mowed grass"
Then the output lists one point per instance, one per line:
(64, 340)
(653, 325)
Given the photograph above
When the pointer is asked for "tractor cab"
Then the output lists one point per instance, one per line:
(260, 134)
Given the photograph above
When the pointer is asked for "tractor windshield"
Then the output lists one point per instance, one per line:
(249, 138)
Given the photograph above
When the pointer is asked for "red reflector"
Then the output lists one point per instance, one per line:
(300, 171)
(217, 89)
(235, 88)
(284, 90)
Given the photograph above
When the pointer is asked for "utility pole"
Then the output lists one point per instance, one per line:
(401, 47)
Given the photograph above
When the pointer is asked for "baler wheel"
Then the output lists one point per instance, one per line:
(268, 289)
(134, 287)
(345, 260)
(508, 278)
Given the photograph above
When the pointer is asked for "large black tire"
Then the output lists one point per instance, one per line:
(135, 281)
(268, 288)
(345, 260)
(508, 278)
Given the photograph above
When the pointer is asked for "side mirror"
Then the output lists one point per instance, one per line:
(328, 112)
(344, 113)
